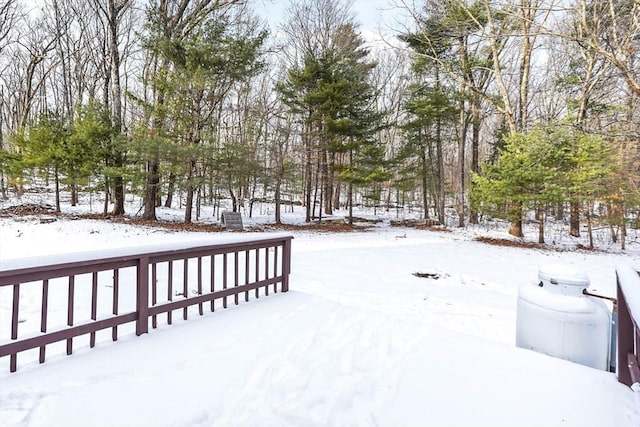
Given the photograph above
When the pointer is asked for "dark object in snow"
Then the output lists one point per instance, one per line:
(232, 221)
(434, 276)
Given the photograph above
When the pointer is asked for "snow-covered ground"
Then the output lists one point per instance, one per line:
(358, 341)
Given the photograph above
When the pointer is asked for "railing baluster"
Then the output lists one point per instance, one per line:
(185, 286)
(154, 292)
(200, 308)
(94, 306)
(246, 273)
(116, 298)
(70, 308)
(266, 269)
(235, 275)
(43, 315)
(275, 267)
(13, 359)
(224, 278)
(213, 281)
(170, 289)
(257, 252)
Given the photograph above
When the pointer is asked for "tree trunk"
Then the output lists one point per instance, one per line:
(151, 196)
(475, 148)
(308, 175)
(74, 194)
(350, 203)
(29, 94)
(198, 203)
(589, 225)
(350, 191)
(113, 19)
(252, 199)
(276, 199)
(540, 215)
(234, 200)
(3, 188)
(118, 193)
(623, 229)
(317, 192)
(105, 207)
(425, 189)
(461, 164)
(337, 192)
(574, 220)
(188, 212)
(171, 188)
(515, 229)
(559, 211)
(440, 159)
(527, 20)
(327, 172)
(57, 185)
(467, 80)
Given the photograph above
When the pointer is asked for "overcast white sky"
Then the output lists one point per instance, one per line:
(374, 16)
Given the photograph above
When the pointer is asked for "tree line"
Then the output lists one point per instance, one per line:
(515, 109)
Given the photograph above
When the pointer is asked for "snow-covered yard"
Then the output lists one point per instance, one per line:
(358, 341)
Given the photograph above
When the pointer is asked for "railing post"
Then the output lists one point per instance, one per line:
(13, 359)
(286, 264)
(625, 336)
(142, 297)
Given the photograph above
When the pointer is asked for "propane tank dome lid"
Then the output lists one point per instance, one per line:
(563, 275)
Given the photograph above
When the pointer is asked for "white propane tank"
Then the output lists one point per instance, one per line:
(555, 318)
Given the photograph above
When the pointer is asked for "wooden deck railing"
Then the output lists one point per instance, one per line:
(49, 301)
(628, 290)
